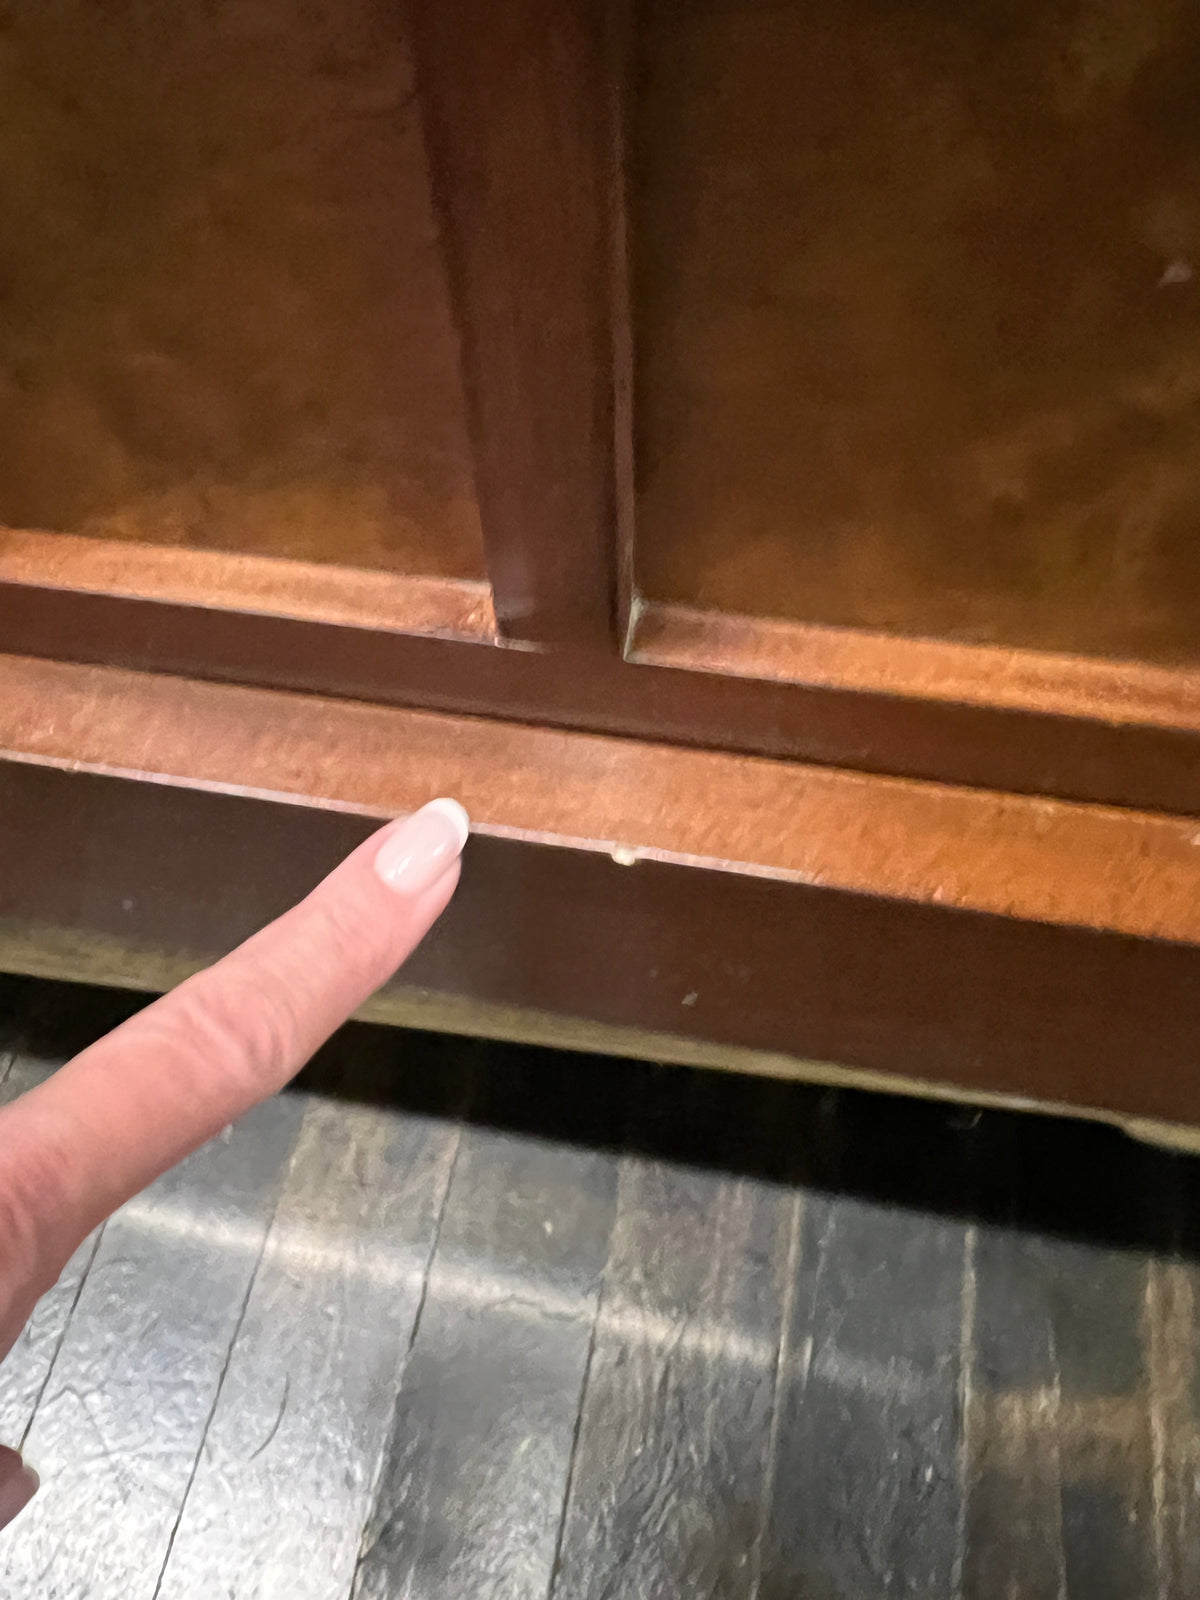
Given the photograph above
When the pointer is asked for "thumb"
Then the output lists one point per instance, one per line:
(18, 1484)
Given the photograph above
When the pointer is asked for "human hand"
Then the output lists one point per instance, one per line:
(136, 1102)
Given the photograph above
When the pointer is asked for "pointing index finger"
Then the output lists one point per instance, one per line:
(133, 1104)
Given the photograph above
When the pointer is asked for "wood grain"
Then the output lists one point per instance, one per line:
(1107, 755)
(685, 946)
(224, 321)
(483, 1429)
(1086, 688)
(515, 101)
(924, 844)
(918, 318)
(440, 608)
(123, 1356)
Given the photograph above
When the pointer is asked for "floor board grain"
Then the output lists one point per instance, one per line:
(675, 1435)
(285, 1481)
(452, 1318)
(471, 1495)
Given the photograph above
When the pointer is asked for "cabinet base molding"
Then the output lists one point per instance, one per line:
(621, 897)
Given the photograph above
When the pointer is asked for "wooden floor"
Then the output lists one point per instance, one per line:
(459, 1320)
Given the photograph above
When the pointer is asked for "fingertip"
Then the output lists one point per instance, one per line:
(456, 812)
(415, 852)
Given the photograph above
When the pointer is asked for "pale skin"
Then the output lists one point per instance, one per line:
(130, 1106)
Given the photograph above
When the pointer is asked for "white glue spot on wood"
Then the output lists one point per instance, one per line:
(690, 999)
(1177, 271)
(624, 856)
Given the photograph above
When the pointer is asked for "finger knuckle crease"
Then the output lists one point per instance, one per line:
(34, 1178)
(247, 1030)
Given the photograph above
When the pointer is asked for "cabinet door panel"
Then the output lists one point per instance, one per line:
(224, 321)
(917, 317)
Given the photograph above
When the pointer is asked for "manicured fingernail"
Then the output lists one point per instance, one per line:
(420, 849)
(18, 1484)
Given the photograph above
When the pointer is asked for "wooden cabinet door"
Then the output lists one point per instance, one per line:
(305, 346)
(229, 371)
(746, 446)
(816, 389)
(915, 333)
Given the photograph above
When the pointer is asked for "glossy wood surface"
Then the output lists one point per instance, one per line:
(645, 898)
(517, 103)
(917, 317)
(765, 650)
(224, 321)
(926, 844)
(540, 305)
(220, 580)
(1058, 734)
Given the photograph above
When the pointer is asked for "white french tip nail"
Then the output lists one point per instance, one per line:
(457, 814)
(416, 852)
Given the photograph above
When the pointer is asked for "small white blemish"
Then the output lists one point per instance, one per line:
(690, 999)
(1175, 272)
(624, 856)
(126, 905)
(548, 1228)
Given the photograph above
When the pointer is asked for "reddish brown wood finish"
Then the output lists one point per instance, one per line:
(994, 942)
(621, 75)
(1034, 859)
(1091, 688)
(226, 318)
(454, 608)
(951, 998)
(515, 99)
(918, 317)
(1026, 746)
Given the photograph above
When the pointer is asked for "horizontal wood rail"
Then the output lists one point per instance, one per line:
(1119, 693)
(971, 942)
(391, 602)
(1015, 720)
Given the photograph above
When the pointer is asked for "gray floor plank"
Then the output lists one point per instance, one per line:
(1172, 1323)
(1014, 1525)
(471, 1496)
(119, 1427)
(1081, 1427)
(638, 1450)
(1104, 1434)
(284, 1483)
(25, 1369)
(671, 1460)
(1120, 1209)
(867, 1476)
